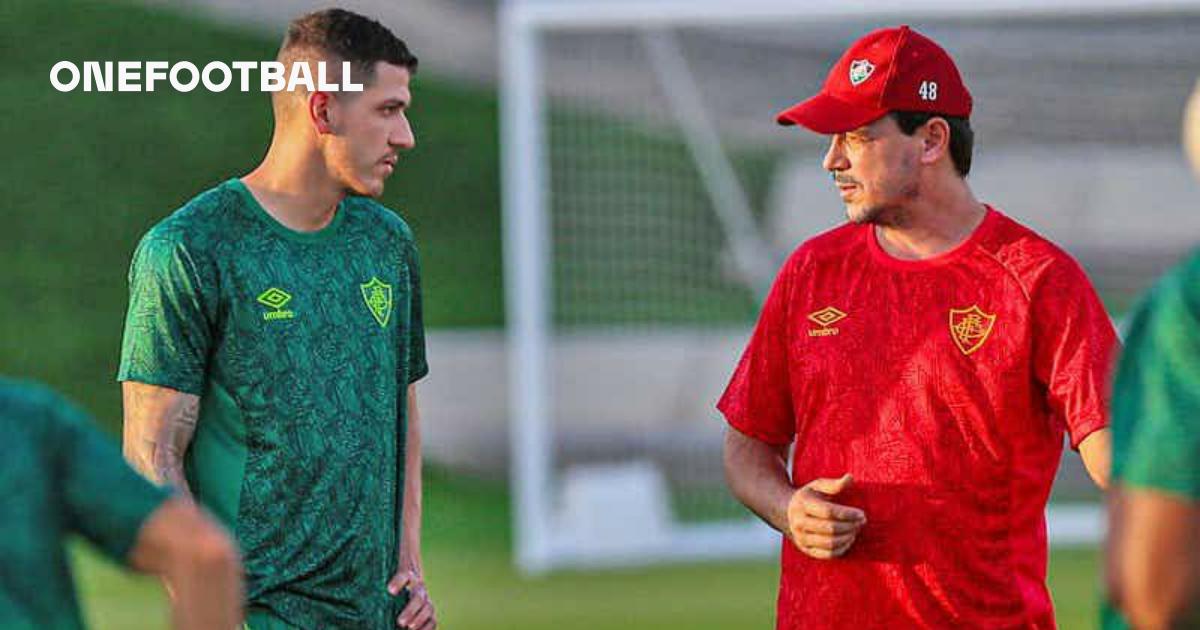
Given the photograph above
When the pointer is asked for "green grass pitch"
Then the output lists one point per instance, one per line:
(475, 587)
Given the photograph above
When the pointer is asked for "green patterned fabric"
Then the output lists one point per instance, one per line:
(58, 475)
(301, 346)
(257, 619)
(1156, 395)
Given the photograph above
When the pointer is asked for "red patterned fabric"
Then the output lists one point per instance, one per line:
(944, 386)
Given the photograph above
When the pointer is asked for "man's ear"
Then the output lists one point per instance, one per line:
(935, 140)
(321, 111)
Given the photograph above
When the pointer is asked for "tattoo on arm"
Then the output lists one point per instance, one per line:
(159, 425)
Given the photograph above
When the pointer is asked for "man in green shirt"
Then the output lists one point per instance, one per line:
(273, 340)
(1154, 513)
(60, 476)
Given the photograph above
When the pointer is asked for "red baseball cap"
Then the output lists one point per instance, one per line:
(891, 69)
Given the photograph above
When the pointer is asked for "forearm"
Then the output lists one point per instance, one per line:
(1155, 558)
(757, 476)
(198, 560)
(207, 594)
(159, 425)
(410, 545)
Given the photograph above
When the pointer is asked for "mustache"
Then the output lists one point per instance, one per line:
(843, 179)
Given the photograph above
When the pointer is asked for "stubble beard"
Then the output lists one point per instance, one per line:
(865, 216)
(892, 214)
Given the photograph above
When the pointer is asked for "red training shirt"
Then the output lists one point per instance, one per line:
(944, 387)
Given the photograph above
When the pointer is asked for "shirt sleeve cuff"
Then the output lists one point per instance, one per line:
(417, 373)
(193, 386)
(743, 426)
(1081, 430)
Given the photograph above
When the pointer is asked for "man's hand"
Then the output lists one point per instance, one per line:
(819, 527)
(418, 613)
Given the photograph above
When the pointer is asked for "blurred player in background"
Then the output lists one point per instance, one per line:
(925, 360)
(273, 340)
(1154, 509)
(60, 476)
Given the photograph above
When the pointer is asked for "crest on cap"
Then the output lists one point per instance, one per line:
(860, 70)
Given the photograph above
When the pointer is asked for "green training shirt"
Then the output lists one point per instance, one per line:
(301, 346)
(58, 475)
(1156, 394)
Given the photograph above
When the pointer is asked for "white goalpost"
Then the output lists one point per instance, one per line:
(648, 200)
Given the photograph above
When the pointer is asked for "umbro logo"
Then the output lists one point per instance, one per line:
(276, 299)
(825, 319)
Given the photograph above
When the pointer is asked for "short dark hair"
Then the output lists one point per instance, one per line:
(346, 36)
(962, 138)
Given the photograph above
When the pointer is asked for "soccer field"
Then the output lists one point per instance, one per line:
(82, 192)
(474, 586)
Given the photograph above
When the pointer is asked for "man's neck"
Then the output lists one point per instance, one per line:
(933, 225)
(295, 188)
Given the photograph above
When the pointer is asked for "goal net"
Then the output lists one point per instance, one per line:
(650, 198)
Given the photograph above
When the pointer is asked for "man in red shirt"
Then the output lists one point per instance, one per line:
(925, 360)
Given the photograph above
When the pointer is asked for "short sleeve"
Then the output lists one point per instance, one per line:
(169, 322)
(1074, 346)
(1156, 394)
(103, 499)
(758, 400)
(418, 367)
